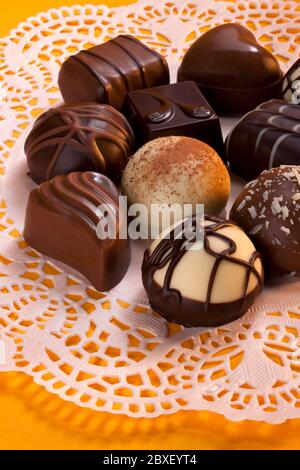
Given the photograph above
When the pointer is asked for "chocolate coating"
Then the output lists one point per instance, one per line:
(106, 72)
(61, 222)
(265, 138)
(84, 137)
(268, 209)
(291, 84)
(231, 69)
(208, 286)
(177, 109)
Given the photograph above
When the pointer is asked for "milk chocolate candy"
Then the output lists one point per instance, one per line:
(291, 84)
(84, 137)
(61, 221)
(265, 138)
(177, 109)
(105, 73)
(203, 285)
(232, 70)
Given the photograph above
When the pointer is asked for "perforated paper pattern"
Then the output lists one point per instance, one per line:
(108, 351)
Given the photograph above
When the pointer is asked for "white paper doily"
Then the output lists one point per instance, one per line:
(108, 351)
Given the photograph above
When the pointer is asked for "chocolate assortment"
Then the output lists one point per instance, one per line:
(231, 69)
(268, 209)
(206, 286)
(123, 121)
(177, 109)
(105, 73)
(61, 221)
(87, 137)
(291, 84)
(267, 137)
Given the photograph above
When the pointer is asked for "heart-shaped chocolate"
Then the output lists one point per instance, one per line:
(231, 69)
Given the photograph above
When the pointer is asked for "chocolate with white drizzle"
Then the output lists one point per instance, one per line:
(176, 109)
(105, 73)
(268, 209)
(267, 137)
(84, 137)
(291, 84)
(209, 286)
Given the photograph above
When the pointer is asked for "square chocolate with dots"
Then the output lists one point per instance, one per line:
(176, 109)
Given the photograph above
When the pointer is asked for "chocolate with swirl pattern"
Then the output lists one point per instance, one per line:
(207, 286)
(176, 109)
(105, 73)
(61, 222)
(81, 137)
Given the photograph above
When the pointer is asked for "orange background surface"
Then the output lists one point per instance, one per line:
(31, 418)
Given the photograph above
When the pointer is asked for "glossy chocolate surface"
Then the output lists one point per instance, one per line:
(231, 69)
(268, 209)
(291, 84)
(172, 304)
(61, 222)
(265, 138)
(84, 137)
(105, 73)
(177, 109)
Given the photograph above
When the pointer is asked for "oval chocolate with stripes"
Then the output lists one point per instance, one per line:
(267, 137)
(105, 73)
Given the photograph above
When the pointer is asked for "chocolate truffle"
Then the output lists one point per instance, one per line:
(265, 138)
(84, 137)
(231, 69)
(177, 109)
(105, 73)
(291, 84)
(268, 209)
(206, 285)
(176, 170)
(61, 221)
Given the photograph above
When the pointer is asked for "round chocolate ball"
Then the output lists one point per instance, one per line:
(203, 284)
(268, 209)
(79, 137)
(176, 170)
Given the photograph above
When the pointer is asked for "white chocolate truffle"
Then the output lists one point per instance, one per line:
(177, 170)
(208, 286)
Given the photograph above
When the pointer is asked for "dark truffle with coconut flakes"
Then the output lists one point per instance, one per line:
(268, 209)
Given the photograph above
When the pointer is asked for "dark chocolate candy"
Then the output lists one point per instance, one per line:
(106, 72)
(268, 209)
(177, 109)
(232, 70)
(61, 221)
(80, 137)
(291, 84)
(207, 286)
(265, 138)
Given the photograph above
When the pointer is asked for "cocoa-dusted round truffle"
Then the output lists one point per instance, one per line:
(268, 209)
(207, 284)
(79, 137)
(177, 170)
